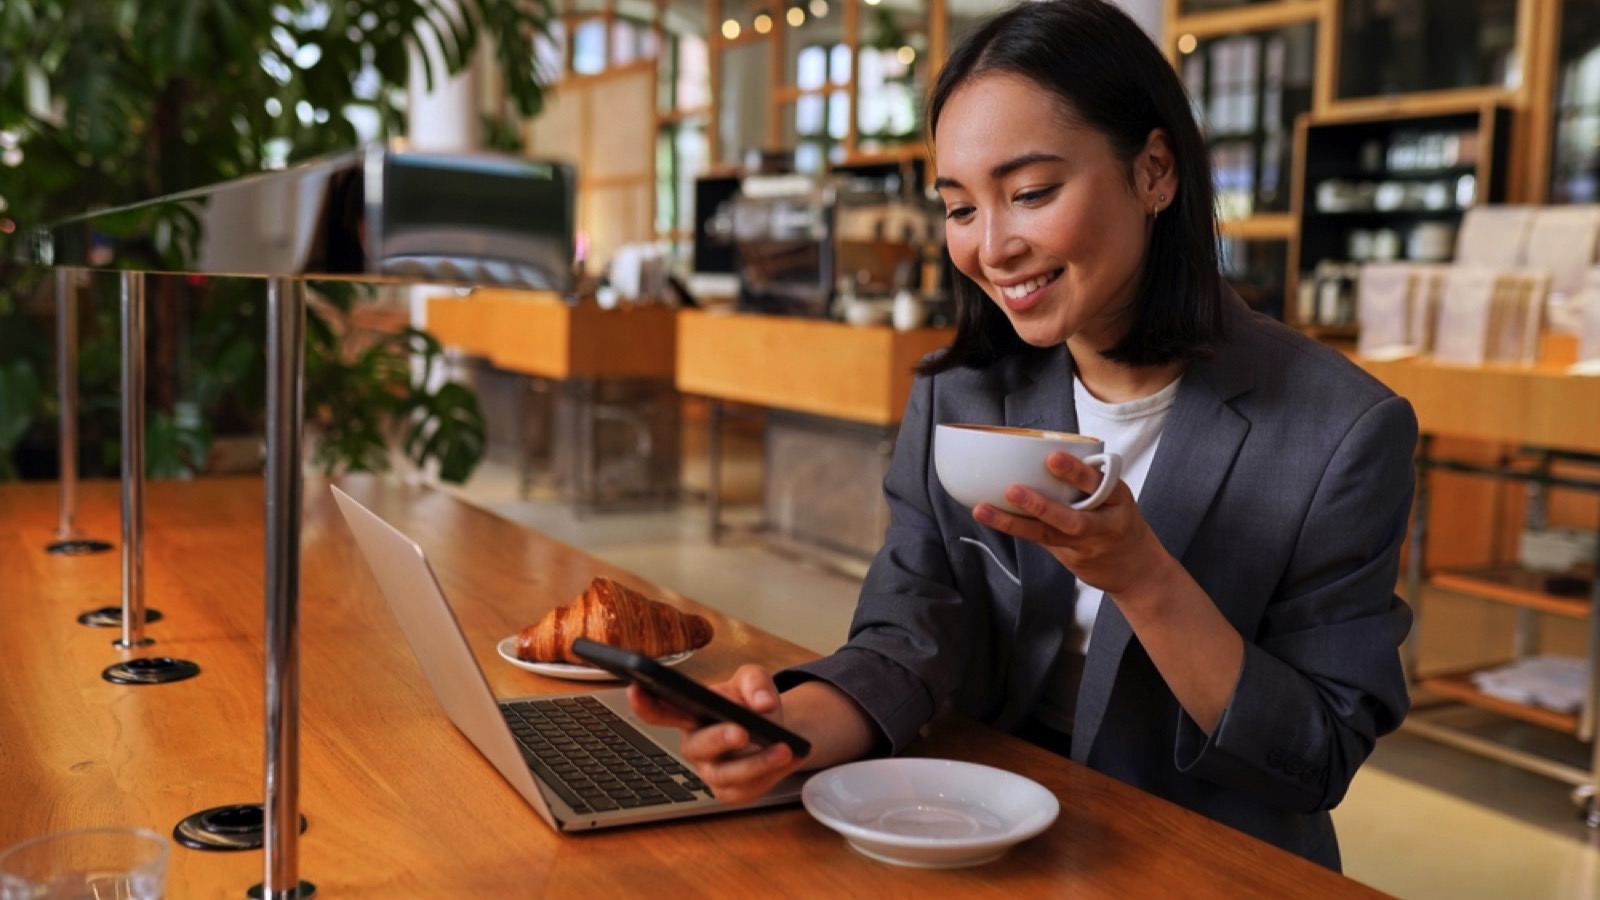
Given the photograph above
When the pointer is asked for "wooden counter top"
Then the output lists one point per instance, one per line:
(859, 373)
(399, 803)
(1538, 405)
(538, 334)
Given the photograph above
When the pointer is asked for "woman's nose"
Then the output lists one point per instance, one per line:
(1000, 241)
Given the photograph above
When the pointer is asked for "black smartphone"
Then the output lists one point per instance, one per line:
(687, 694)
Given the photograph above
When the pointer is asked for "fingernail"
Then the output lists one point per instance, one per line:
(1016, 495)
(983, 513)
(730, 733)
(763, 698)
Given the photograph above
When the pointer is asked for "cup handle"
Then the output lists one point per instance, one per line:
(1112, 463)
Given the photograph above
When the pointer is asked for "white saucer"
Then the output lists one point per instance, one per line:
(508, 652)
(929, 813)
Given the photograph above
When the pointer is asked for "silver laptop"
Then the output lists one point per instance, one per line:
(582, 761)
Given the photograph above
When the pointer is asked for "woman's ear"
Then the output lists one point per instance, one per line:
(1156, 172)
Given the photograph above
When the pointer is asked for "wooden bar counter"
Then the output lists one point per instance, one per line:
(856, 373)
(538, 334)
(817, 375)
(1536, 405)
(399, 803)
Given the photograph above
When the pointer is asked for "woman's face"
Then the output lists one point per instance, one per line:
(1042, 214)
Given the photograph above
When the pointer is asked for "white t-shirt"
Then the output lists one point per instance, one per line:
(1132, 429)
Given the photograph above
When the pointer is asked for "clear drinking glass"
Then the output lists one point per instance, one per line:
(87, 864)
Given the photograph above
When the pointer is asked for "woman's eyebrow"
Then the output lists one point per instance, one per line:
(1001, 170)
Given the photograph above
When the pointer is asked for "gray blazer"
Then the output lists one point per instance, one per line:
(1283, 483)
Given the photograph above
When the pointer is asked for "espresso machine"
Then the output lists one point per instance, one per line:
(823, 246)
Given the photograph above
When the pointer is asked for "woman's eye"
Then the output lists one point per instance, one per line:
(958, 212)
(1033, 198)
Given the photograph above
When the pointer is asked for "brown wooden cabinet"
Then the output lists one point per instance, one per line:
(1391, 186)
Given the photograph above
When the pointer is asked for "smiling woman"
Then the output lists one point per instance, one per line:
(1222, 630)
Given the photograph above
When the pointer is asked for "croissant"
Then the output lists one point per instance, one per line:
(612, 614)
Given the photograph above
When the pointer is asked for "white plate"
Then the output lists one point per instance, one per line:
(508, 652)
(929, 813)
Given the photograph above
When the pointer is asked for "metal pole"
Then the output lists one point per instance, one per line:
(714, 468)
(67, 393)
(285, 407)
(132, 461)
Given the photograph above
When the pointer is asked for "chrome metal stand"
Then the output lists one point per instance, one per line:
(286, 322)
(69, 542)
(133, 620)
(151, 670)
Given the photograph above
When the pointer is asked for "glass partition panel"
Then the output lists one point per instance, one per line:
(589, 46)
(891, 74)
(814, 126)
(550, 52)
(682, 153)
(1426, 45)
(812, 32)
(684, 66)
(633, 32)
(687, 82)
(743, 107)
(1247, 90)
(1575, 166)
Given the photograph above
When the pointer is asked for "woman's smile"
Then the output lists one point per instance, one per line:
(1022, 296)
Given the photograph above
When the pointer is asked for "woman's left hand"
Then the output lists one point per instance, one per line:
(1110, 547)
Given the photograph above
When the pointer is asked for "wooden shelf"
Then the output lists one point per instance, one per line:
(1259, 227)
(1459, 686)
(1514, 585)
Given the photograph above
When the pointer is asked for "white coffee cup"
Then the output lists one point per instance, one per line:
(977, 463)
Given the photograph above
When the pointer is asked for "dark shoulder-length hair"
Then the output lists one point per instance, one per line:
(1113, 79)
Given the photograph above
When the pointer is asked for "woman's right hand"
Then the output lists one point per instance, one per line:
(735, 770)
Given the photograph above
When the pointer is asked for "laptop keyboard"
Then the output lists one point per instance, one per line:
(594, 759)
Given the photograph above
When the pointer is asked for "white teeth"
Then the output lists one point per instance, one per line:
(1018, 291)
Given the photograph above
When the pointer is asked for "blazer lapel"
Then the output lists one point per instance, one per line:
(1199, 441)
(1047, 588)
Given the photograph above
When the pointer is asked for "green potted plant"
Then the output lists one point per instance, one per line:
(110, 102)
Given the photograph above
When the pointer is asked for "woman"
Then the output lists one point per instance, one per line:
(1223, 630)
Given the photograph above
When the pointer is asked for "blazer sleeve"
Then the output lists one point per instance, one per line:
(911, 635)
(1323, 678)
